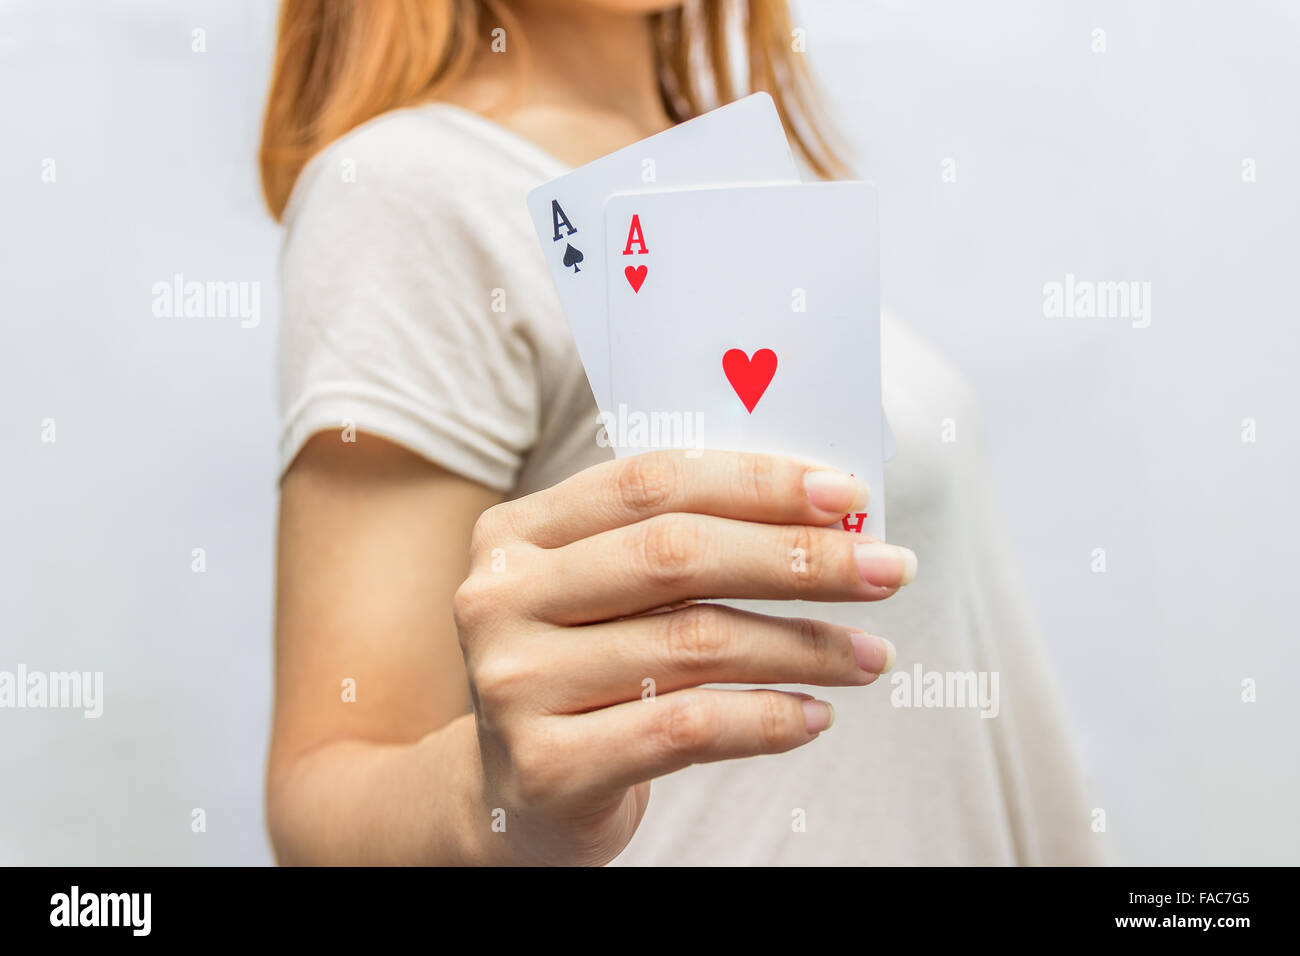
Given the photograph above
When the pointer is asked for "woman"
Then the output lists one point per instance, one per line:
(487, 645)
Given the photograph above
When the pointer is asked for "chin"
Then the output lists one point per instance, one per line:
(631, 6)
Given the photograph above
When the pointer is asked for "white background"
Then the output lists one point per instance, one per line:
(1122, 165)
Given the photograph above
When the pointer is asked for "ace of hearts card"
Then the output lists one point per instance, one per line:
(747, 318)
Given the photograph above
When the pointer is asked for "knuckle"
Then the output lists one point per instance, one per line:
(645, 484)
(815, 638)
(491, 528)
(697, 636)
(532, 783)
(668, 548)
(472, 603)
(688, 726)
(500, 679)
(533, 768)
(775, 721)
(755, 475)
(801, 540)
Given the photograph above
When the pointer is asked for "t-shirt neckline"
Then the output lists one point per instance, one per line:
(507, 137)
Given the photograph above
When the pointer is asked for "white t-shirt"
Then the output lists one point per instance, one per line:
(417, 306)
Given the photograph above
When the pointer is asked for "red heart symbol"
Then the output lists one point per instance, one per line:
(749, 376)
(635, 276)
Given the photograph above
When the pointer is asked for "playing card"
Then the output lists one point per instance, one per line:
(747, 318)
(738, 143)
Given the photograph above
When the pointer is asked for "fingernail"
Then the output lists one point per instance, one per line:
(836, 492)
(884, 565)
(875, 655)
(817, 715)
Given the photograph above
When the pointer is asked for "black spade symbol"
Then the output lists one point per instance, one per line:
(572, 257)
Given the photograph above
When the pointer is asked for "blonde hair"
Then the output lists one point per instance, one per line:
(339, 63)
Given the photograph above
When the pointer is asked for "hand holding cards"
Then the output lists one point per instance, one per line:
(743, 316)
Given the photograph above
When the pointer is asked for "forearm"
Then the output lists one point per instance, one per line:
(353, 802)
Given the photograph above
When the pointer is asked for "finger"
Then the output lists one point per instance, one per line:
(751, 487)
(618, 747)
(676, 557)
(612, 662)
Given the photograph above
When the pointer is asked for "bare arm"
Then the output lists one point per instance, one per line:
(373, 542)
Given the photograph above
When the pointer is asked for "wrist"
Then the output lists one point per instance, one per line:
(475, 834)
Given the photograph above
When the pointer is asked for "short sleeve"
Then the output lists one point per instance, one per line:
(390, 318)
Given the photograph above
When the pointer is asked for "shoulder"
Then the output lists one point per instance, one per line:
(429, 195)
(410, 163)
